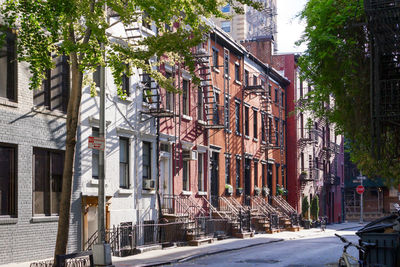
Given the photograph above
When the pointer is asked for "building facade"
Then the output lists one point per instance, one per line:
(32, 145)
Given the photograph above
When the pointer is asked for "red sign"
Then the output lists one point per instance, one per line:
(96, 143)
(360, 189)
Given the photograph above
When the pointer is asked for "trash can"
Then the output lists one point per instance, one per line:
(386, 252)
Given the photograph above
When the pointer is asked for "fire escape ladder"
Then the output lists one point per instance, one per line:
(212, 110)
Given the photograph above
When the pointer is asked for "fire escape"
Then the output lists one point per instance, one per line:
(383, 18)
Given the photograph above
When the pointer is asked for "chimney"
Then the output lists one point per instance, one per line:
(261, 47)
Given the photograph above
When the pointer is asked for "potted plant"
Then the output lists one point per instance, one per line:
(228, 189)
(239, 191)
(303, 175)
(257, 191)
(279, 190)
(285, 192)
(265, 191)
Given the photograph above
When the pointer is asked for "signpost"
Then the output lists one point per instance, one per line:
(360, 190)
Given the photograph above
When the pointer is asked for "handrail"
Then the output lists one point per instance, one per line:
(230, 206)
(214, 209)
(279, 202)
(201, 210)
(235, 203)
(286, 204)
(259, 206)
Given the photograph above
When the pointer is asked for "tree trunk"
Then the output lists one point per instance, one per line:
(72, 122)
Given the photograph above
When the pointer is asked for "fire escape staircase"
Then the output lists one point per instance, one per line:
(213, 115)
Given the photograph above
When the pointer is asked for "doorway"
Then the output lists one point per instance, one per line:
(214, 179)
(247, 181)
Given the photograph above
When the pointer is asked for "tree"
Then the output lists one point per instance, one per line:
(314, 210)
(78, 28)
(337, 64)
(304, 207)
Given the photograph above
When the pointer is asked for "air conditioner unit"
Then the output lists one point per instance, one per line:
(189, 155)
(148, 184)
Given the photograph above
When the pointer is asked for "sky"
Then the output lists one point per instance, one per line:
(289, 28)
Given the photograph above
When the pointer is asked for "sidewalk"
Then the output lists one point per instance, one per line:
(181, 254)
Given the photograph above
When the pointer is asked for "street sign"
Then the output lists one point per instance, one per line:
(96, 143)
(360, 189)
(356, 181)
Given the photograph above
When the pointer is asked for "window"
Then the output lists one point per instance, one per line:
(215, 109)
(226, 63)
(226, 26)
(246, 78)
(277, 174)
(301, 88)
(301, 125)
(215, 58)
(200, 104)
(123, 162)
(269, 91)
(95, 156)
(147, 160)
(185, 97)
(47, 180)
(125, 81)
(277, 131)
(237, 173)
(226, 8)
(168, 95)
(54, 93)
(226, 110)
(255, 126)
(276, 95)
(255, 173)
(282, 99)
(263, 127)
(237, 71)
(146, 22)
(186, 171)
(254, 80)
(246, 121)
(8, 68)
(270, 130)
(237, 117)
(200, 172)
(227, 170)
(269, 176)
(7, 180)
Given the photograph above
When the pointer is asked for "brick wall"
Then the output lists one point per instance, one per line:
(26, 238)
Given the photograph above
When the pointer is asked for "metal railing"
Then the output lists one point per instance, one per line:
(283, 205)
(183, 206)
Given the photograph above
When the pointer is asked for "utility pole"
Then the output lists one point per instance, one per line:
(102, 250)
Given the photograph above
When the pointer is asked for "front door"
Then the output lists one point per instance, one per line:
(165, 181)
(269, 182)
(214, 179)
(247, 181)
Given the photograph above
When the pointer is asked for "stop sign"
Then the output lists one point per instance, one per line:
(360, 189)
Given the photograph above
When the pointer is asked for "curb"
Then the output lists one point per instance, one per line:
(192, 257)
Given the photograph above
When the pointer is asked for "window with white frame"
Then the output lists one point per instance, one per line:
(146, 160)
(227, 170)
(185, 97)
(185, 175)
(123, 162)
(215, 57)
(237, 71)
(200, 172)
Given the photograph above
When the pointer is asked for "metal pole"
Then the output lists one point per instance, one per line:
(102, 134)
(361, 201)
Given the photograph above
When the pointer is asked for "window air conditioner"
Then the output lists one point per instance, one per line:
(148, 184)
(189, 155)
